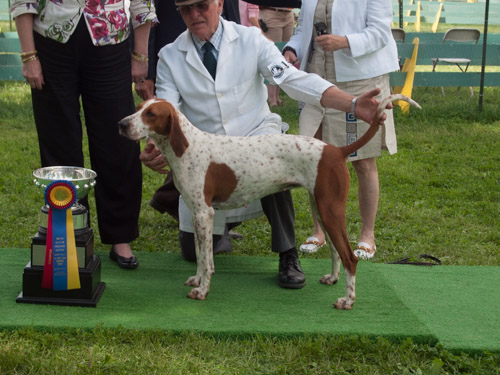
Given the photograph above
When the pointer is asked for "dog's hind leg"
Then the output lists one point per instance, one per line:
(340, 247)
(330, 192)
(332, 277)
(203, 228)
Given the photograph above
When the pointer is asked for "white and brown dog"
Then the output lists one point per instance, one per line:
(215, 171)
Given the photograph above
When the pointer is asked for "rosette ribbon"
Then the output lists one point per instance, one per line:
(60, 271)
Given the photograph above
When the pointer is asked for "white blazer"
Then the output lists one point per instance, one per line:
(236, 103)
(367, 26)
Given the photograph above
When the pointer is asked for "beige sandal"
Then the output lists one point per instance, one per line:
(364, 251)
(311, 245)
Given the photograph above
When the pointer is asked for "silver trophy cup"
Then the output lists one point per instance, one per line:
(83, 179)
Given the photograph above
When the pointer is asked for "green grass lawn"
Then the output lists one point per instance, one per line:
(440, 195)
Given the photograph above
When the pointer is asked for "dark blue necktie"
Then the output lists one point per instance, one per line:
(209, 59)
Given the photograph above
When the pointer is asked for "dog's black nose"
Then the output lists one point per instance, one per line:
(122, 125)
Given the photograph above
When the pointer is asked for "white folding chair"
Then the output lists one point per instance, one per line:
(458, 35)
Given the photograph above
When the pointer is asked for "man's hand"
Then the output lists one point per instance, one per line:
(145, 89)
(367, 105)
(152, 158)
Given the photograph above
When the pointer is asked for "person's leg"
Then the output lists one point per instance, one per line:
(280, 213)
(368, 196)
(188, 250)
(287, 28)
(274, 33)
(232, 234)
(273, 21)
(56, 107)
(317, 239)
(166, 198)
(223, 244)
(107, 98)
(283, 31)
(313, 243)
(273, 93)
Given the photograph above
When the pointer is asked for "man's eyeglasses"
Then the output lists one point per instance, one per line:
(185, 10)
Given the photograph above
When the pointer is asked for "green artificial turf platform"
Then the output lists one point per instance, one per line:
(458, 306)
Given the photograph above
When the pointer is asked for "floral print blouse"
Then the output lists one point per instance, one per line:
(107, 20)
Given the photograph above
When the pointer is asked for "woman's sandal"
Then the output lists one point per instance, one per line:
(311, 245)
(364, 251)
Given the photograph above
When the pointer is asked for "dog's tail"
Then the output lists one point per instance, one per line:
(372, 130)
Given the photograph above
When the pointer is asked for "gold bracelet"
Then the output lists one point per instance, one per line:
(29, 58)
(28, 54)
(140, 57)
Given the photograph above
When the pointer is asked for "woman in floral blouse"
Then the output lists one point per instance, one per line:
(79, 51)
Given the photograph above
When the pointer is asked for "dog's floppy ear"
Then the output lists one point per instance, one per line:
(172, 128)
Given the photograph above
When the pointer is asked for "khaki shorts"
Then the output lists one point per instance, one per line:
(340, 128)
(280, 24)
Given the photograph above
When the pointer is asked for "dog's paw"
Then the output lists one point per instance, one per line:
(343, 304)
(193, 281)
(197, 293)
(329, 279)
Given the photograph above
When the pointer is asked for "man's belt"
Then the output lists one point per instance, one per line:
(276, 9)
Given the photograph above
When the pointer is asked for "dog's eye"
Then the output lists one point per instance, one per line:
(150, 114)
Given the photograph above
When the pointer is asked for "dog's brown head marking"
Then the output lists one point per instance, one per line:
(162, 118)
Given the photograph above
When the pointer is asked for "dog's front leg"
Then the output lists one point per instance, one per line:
(203, 229)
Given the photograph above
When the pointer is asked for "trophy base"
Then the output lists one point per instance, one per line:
(84, 240)
(87, 296)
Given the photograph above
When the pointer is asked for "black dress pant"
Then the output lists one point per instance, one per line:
(220, 244)
(99, 78)
(278, 208)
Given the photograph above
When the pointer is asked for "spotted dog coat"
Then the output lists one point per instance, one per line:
(216, 171)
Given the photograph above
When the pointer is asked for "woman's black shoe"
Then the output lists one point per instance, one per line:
(128, 263)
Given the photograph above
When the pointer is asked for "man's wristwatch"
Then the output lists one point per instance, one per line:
(353, 106)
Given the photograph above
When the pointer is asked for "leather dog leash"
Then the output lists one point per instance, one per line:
(433, 261)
